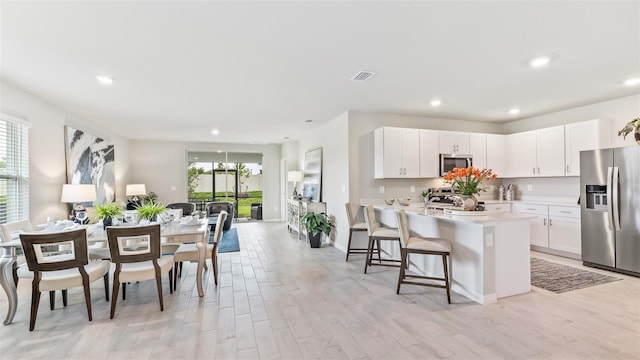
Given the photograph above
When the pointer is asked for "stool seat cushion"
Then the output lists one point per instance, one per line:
(359, 225)
(429, 244)
(386, 232)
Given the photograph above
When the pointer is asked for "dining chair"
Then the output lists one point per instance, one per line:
(425, 246)
(189, 252)
(11, 231)
(354, 227)
(64, 270)
(135, 250)
(378, 233)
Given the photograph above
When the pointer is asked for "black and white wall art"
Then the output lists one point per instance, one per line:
(90, 160)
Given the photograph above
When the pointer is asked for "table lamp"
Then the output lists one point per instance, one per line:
(78, 194)
(294, 177)
(134, 190)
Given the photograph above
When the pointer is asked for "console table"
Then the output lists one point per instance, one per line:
(296, 210)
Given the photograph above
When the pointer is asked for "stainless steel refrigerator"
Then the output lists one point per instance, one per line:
(610, 208)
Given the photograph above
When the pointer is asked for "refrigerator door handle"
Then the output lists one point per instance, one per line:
(609, 206)
(615, 194)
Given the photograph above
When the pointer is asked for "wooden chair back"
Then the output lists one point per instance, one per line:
(35, 250)
(217, 234)
(134, 243)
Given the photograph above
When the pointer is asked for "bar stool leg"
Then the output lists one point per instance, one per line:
(349, 244)
(367, 261)
(446, 277)
(403, 255)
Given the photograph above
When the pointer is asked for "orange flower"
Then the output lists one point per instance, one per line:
(466, 181)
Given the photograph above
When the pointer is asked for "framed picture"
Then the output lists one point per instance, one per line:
(90, 160)
(312, 182)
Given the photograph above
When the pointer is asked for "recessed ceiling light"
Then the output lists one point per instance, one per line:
(196, 158)
(215, 131)
(436, 102)
(219, 151)
(104, 80)
(539, 62)
(309, 121)
(632, 82)
(514, 111)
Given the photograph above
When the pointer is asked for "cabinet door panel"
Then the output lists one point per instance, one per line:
(539, 231)
(521, 154)
(478, 148)
(392, 152)
(564, 234)
(497, 154)
(410, 148)
(550, 151)
(429, 147)
(453, 142)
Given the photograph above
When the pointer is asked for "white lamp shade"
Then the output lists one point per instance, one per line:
(75, 193)
(294, 176)
(136, 189)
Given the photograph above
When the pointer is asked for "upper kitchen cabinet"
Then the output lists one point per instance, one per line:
(580, 136)
(496, 154)
(536, 152)
(396, 153)
(478, 148)
(550, 147)
(453, 142)
(429, 146)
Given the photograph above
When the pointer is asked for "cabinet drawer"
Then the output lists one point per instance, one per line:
(501, 208)
(566, 211)
(535, 209)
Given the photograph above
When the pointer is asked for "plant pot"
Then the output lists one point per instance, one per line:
(107, 222)
(315, 241)
(469, 202)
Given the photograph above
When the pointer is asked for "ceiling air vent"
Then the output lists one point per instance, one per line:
(362, 76)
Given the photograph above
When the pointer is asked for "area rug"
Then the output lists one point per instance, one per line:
(561, 278)
(229, 241)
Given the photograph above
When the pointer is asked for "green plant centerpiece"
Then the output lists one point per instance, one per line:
(316, 224)
(632, 126)
(108, 211)
(426, 194)
(150, 209)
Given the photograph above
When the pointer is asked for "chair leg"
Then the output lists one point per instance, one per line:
(446, 277)
(403, 255)
(116, 287)
(176, 266)
(214, 263)
(124, 291)
(52, 299)
(35, 300)
(64, 297)
(159, 286)
(367, 260)
(378, 245)
(106, 286)
(14, 268)
(171, 281)
(349, 244)
(87, 293)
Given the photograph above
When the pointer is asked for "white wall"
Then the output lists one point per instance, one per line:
(47, 164)
(161, 166)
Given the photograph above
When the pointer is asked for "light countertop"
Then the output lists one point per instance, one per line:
(486, 217)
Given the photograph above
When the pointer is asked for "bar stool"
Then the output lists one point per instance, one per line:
(424, 246)
(378, 233)
(354, 227)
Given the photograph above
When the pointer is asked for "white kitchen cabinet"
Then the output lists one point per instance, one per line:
(396, 153)
(536, 153)
(539, 230)
(497, 154)
(564, 229)
(550, 151)
(521, 154)
(478, 148)
(429, 159)
(454, 142)
(580, 136)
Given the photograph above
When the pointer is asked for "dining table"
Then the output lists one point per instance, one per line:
(175, 232)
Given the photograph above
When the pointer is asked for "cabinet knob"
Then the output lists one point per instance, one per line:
(534, 171)
(544, 222)
(538, 170)
(568, 169)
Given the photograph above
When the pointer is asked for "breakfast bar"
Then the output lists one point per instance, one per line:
(490, 251)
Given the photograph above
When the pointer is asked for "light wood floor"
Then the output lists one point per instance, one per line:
(278, 298)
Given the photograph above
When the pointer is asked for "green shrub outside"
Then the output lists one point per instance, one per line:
(244, 204)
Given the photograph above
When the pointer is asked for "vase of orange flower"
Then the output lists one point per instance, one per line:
(465, 182)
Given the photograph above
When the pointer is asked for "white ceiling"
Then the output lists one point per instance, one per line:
(256, 71)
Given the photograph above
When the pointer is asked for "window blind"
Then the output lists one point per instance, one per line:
(14, 169)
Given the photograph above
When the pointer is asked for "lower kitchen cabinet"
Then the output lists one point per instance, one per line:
(555, 229)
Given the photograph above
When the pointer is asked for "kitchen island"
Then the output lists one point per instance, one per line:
(490, 256)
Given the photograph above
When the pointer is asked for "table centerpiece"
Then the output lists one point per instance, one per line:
(465, 183)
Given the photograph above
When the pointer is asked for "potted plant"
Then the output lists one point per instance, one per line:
(426, 194)
(316, 224)
(633, 125)
(466, 183)
(108, 211)
(149, 209)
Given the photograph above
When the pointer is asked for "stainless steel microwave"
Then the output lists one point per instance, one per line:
(450, 161)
